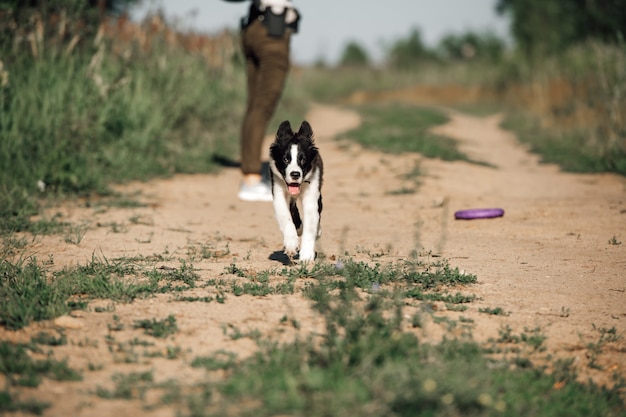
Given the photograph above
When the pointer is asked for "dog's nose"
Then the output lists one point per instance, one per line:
(295, 175)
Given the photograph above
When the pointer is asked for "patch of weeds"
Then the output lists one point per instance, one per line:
(234, 270)
(261, 288)
(496, 311)
(138, 342)
(218, 360)
(117, 324)
(207, 251)
(403, 191)
(451, 324)
(609, 335)
(27, 295)
(158, 328)
(364, 364)
(10, 245)
(115, 227)
(106, 309)
(48, 339)
(76, 233)
(614, 241)
(168, 279)
(506, 335)
(534, 339)
(190, 299)
(293, 322)
(457, 298)
(10, 403)
(21, 370)
(122, 352)
(104, 279)
(564, 312)
(128, 386)
(173, 352)
(48, 226)
(235, 333)
(87, 342)
(141, 220)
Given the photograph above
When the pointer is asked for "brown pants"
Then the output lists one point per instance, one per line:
(267, 65)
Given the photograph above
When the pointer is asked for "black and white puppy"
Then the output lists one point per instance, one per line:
(296, 174)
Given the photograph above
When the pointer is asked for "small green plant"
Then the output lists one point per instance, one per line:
(219, 360)
(609, 335)
(21, 370)
(117, 324)
(128, 386)
(506, 335)
(614, 241)
(158, 328)
(76, 233)
(534, 338)
(497, 311)
(48, 339)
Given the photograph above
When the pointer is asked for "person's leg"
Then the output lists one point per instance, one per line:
(251, 175)
(267, 68)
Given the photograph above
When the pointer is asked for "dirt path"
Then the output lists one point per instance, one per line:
(548, 261)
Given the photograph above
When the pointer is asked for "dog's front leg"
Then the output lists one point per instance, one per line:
(283, 215)
(310, 225)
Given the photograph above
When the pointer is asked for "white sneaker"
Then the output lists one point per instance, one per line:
(257, 192)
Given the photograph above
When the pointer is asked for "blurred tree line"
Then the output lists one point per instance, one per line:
(545, 27)
(538, 29)
(404, 53)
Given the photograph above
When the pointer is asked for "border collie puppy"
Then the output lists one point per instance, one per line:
(296, 174)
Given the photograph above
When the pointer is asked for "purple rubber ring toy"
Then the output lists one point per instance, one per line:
(480, 213)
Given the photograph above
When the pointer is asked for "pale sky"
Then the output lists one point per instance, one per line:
(328, 25)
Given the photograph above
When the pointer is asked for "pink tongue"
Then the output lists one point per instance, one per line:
(294, 189)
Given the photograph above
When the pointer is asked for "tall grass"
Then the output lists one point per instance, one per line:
(77, 116)
(571, 108)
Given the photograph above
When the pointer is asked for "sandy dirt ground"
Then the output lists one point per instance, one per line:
(552, 262)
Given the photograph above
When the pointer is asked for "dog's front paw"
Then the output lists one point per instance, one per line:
(291, 245)
(307, 255)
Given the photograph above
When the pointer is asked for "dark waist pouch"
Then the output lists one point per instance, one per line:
(275, 23)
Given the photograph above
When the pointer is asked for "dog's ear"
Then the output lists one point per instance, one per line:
(305, 130)
(284, 131)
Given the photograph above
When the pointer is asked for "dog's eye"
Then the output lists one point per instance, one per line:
(286, 160)
(301, 158)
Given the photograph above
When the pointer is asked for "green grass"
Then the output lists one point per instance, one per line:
(571, 149)
(400, 128)
(366, 363)
(369, 359)
(570, 108)
(74, 123)
(158, 328)
(21, 370)
(31, 293)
